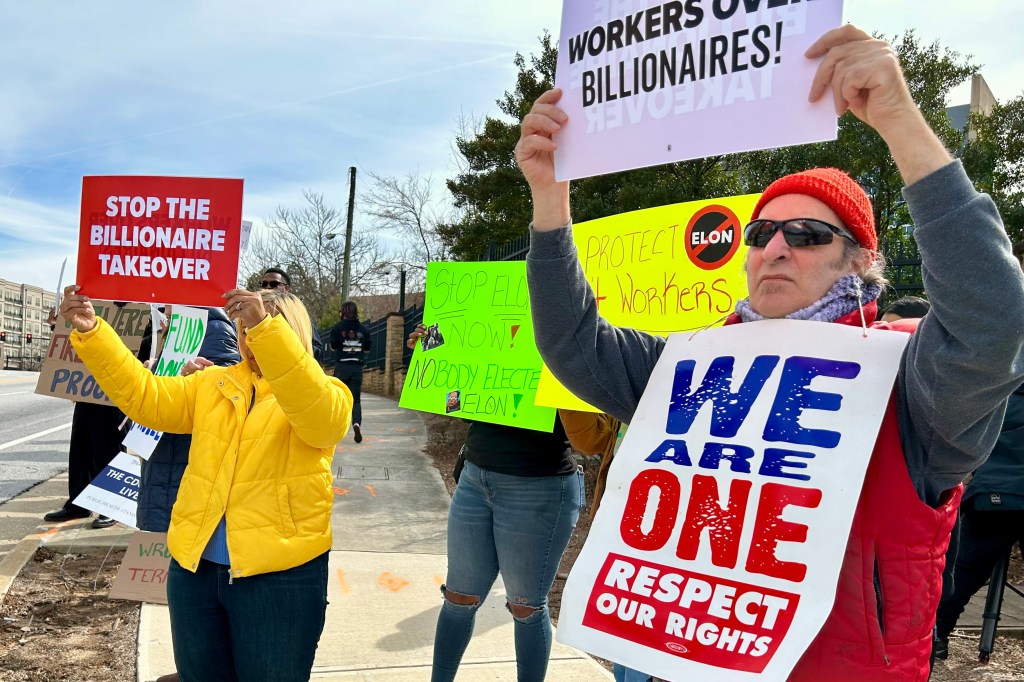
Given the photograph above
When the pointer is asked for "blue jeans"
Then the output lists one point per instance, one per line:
(519, 525)
(262, 628)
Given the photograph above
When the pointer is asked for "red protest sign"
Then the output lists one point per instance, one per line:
(159, 239)
(703, 618)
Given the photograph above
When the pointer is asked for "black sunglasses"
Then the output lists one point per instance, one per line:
(271, 284)
(796, 231)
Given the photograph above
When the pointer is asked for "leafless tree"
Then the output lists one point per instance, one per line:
(410, 207)
(467, 127)
(309, 244)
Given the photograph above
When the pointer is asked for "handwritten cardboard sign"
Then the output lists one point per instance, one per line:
(648, 82)
(479, 360)
(143, 572)
(159, 239)
(63, 375)
(718, 544)
(662, 270)
(115, 492)
(186, 329)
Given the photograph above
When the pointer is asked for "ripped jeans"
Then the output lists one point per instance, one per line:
(519, 525)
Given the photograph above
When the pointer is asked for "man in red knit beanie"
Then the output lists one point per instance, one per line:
(813, 256)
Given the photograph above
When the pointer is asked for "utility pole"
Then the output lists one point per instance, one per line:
(346, 275)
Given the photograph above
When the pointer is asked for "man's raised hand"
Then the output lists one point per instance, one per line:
(864, 76)
(535, 154)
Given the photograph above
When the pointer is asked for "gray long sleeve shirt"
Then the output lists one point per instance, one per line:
(955, 375)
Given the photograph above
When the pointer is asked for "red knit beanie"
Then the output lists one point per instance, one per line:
(835, 189)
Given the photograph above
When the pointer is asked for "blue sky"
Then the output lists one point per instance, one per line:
(289, 95)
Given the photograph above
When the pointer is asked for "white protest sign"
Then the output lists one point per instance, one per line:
(60, 284)
(647, 82)
(185, 331)
(243, 244)
(115, 492)
(718, 544)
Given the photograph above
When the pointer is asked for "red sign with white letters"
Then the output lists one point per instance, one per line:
(159, 239)
(707, 619)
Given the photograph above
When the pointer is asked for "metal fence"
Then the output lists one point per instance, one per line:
(903, 269)
(513, 250)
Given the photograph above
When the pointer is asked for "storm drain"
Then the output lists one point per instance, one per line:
(364, 473)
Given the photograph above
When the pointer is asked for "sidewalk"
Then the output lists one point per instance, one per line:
(386, 566)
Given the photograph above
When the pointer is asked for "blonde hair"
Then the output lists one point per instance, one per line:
(291, 309)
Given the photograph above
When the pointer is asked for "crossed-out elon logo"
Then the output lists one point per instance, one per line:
(712, 237)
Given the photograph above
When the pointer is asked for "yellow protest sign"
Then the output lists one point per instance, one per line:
(662, 270)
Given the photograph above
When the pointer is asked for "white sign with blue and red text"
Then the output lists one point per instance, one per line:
(717, 548)
(115, 492)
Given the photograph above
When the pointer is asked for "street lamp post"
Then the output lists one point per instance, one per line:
(402, 265)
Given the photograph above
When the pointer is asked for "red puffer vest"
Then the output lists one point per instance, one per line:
(880, 627)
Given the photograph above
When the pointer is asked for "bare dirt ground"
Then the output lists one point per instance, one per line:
(59, 626)
(445, 437)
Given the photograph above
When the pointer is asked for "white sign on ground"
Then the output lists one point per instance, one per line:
(647, 82)
(115, 492)
(185, 331)
(717, 547)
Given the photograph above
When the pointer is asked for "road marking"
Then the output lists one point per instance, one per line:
(344, 583)
(370, 490)
(17, 393)
(339, 491)
(47, 432)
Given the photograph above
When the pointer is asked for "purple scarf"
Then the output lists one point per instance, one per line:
(846, 295)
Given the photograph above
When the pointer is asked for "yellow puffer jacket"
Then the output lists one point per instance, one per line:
(267, 470)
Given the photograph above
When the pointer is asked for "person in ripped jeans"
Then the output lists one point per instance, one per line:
(515, 506)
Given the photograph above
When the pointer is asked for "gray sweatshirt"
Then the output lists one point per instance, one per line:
(954, 378)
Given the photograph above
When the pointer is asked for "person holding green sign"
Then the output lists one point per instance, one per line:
(517, 499)
(250, 530)
(813, 256)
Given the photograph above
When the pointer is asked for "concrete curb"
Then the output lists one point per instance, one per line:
(14, 561)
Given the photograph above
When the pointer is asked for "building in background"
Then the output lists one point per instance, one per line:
(24, 332)
(982, 100)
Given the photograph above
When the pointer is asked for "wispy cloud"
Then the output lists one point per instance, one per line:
(289, 95)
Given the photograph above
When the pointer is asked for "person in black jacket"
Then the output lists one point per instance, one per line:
(991, 521)
(95, 440)
(351, 340)
(162, 472)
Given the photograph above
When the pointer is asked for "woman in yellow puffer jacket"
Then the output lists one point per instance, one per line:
(251, 528)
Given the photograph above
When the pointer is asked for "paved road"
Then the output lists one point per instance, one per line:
(34, 432)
